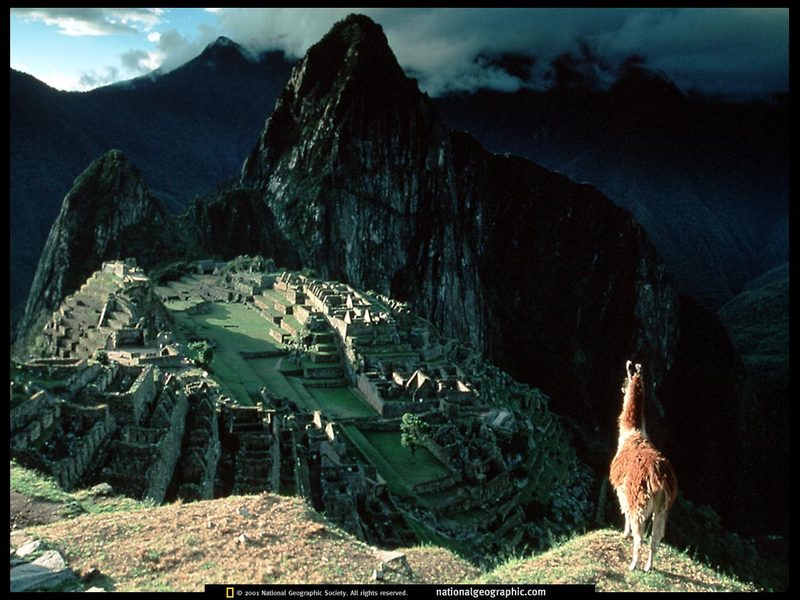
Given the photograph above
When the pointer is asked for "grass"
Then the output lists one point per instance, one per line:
(182, 547)
(44, 487)
(268, 370)
(415, 467)
(394, 480)
(395, 463)
(233, 328)
(601, 557)
(34, 484)
(340, 402)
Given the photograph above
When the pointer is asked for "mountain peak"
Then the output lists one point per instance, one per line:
(221, 50)
(351, 82)
(223, 42)
(108, 213)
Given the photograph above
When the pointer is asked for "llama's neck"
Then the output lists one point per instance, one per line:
(631, 419)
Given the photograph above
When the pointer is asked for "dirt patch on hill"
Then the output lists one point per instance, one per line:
(27, 511)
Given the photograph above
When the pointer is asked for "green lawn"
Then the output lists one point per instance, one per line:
(419, 467)
(393, 479)
(267, 369)
(340, 402)
(234, 329)
(397, 465)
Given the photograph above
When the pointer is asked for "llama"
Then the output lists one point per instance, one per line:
(642, 477)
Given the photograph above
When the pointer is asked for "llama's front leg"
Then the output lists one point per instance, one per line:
(623, 507)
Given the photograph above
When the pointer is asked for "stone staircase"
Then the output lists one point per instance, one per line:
(73, 330)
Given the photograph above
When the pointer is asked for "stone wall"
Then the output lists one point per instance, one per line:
(169, 447)
(42, 409)
(129, 407)
(69, 471)
(197, 466)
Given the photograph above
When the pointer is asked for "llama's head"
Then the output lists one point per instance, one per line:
(633, 402)
(633, 375)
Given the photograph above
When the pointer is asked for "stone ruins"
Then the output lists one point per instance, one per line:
(114, 397)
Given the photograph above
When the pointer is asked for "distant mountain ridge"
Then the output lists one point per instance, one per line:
(187, 130)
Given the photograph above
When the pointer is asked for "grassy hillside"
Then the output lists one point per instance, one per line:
(602, 557)
(181, 547)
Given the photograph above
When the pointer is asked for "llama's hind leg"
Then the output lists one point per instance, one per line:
(659, 524)
(636, 529)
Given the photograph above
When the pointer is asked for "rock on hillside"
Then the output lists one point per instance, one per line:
(758, 322)
(187, 130)
(548, 277)
(707, 179)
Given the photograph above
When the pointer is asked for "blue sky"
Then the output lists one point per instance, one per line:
(727, 51)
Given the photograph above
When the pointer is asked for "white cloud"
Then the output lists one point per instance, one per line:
(153, 37)
(93, 21)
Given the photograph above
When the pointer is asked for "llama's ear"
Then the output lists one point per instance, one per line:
(629, 368)
(638, 368)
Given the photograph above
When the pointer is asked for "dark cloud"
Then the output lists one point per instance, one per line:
(135, 61)
(731, 50)
(519, 66)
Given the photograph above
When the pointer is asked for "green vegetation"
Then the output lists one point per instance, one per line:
(269, 371)
(698, 529)
(417, 467)
(232, 328)
(202, 353)
(44, 487)
(393, 479)
(413, 431)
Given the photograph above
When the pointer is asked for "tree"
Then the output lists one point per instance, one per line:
(202, 353)
(413, 431)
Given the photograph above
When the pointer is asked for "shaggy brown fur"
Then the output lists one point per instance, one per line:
(642, 470)
(642, 477)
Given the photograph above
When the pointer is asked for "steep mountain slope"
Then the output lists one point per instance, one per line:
(758, 321)
(187, 130)
(708, 180)
(109, 213)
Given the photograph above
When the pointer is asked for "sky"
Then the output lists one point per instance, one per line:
(727, 51)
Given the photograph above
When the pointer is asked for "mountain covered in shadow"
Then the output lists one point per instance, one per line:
(707, 179)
